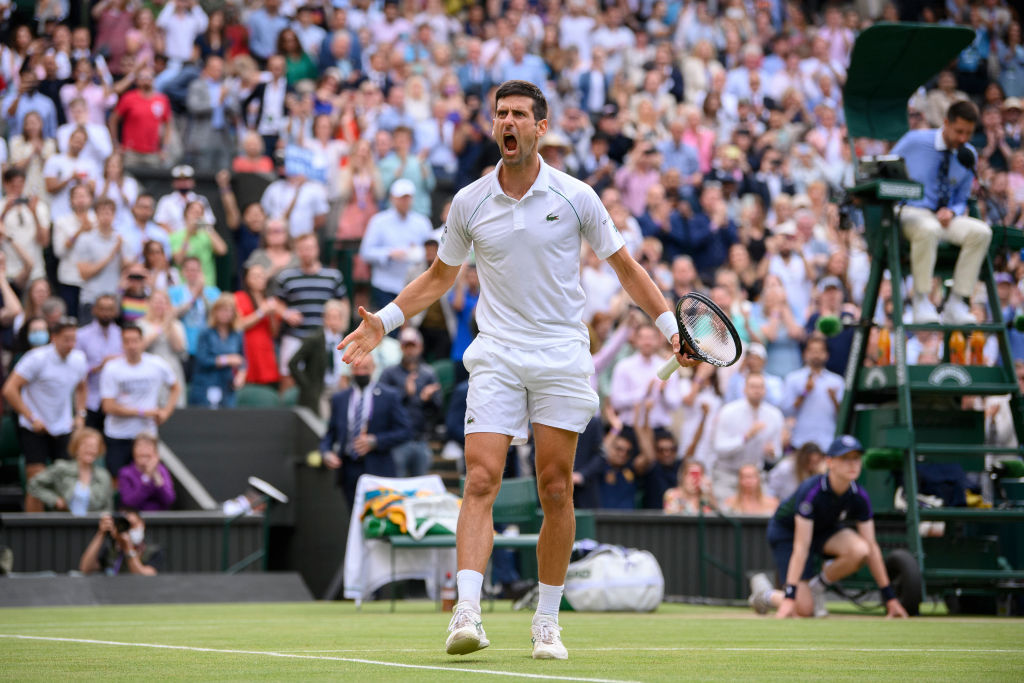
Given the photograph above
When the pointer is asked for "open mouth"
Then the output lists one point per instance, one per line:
(510, 143)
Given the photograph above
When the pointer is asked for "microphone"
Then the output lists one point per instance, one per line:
(829, 325)
(966, 157)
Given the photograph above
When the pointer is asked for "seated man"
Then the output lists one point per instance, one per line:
(811, 523)
(943, 162)
(119, 546)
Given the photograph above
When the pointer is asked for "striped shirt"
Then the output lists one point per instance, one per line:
(815, 500)
(307, 293)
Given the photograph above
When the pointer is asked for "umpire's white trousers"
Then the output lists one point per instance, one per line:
(924, 232)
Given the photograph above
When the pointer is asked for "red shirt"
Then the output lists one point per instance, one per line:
(140, 120)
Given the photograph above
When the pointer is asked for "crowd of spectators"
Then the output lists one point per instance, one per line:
(713, 131)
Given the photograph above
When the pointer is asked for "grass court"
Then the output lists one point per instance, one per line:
(334, 641)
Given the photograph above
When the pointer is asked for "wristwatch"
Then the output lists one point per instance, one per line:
(82, 413)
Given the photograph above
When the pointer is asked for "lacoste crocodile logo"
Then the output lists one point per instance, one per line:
(551, 217)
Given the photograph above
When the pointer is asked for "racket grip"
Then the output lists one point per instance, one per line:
(667, 370)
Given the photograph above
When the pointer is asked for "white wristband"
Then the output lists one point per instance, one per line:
(392, 317)
(666, 322)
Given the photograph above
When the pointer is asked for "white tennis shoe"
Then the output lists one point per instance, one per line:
(818, 590)
(465, 631)
(760, 593)
(547, 641)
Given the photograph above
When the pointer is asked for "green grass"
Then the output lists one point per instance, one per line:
(675, 643)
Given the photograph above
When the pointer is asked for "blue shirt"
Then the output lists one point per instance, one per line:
(816, 501)
(263, 30)
(816, 417)
(194, 319)
(923, 150)
(37, 102)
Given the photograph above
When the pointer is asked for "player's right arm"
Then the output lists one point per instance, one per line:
(803, 530)
(415, 297)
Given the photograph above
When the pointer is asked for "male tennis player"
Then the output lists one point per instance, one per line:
(531, 361)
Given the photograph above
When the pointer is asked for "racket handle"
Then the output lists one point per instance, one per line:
(668, 369)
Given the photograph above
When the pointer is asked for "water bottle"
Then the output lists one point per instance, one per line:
(214, 395)
(448, 593)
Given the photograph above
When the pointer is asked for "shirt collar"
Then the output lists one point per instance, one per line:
(940, 143)
(540, 184)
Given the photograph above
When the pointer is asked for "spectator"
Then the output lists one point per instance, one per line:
(95, 98)
(422, 398)
(113, 22)
(66, 233)
(747, 431)
(750, 498)
(63, 171)
(30, 151)
(299, 202)
(37, 292)
(154, 258)
(693, 494)
(303, 291)
(830, 303)
(393, 244)
(661, 462)
(26, 98)
(99, 255)
(100, 341)
(24, 220)
(198, 239)
(780, 329)
(40, 390)
(813, 395)
(463, 299)
(192, 300)
(796, 276)
(360, 191)
(253, 158)
(121, 189)
(618, 476)
(182, 22)
(265, 24)
(134, 292)
(700, 405)
(401, 164)
(317, 366)
(754, 359)
(794, 469)
(116, 548)
(130, 389)
(146, 484)
(138, 230)
(144, 117)
(170, 210)
(77, 485)
(211, 104)
(260, 322)
(275, 253)
(635, 379)
(264, 107)
(367, 421)
(163, 335)
(298, 65)
(220, 359)
(711, 231)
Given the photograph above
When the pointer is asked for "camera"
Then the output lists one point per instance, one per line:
(121, 524)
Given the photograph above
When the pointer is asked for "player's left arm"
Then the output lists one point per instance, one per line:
(641, 288)
(876, 565)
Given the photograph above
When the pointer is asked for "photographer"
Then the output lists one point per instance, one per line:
(119, 545)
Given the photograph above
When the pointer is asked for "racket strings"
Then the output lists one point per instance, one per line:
(708, 331)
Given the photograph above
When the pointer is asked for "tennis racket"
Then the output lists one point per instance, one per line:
(707, 331)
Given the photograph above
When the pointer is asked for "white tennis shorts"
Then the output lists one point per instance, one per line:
(509, 387)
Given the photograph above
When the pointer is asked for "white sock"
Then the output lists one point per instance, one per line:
(469, 584)
(549, 601)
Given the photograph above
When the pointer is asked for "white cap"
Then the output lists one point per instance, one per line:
(403, 187)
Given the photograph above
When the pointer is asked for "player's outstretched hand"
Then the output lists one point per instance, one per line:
(364, 339)
(894, 610)
(684, 354)
(786, 610)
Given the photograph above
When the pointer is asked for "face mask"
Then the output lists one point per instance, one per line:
(38, 337)
(361, 380)
(137, 535)
(184, 191)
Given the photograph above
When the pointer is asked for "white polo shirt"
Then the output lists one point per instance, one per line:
(528, 254)
(51, 382)
(136, 386)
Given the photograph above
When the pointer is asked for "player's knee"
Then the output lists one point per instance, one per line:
(482, 483)
(859, 551)
(554, 488)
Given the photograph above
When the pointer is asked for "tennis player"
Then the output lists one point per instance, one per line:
(815, 521)
(531, 361)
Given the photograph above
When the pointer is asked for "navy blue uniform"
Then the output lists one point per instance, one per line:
(814, 501)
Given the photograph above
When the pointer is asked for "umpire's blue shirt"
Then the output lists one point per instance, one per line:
(922, 150)
(816, 501)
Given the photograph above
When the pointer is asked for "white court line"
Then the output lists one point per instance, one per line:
(285, 655)
(702, 648)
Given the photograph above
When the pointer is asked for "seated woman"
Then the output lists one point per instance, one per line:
(146, 484)
(750, 499)
(220, 363)
(78, 485)
(693, 493)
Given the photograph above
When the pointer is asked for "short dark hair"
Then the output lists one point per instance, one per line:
(527, 89)
(964, 110)
(104, 202)
(12, 173)
(131, 327)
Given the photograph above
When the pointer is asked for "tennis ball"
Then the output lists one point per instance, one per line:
(1018, 323)
(313, 459)
(829, 325)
